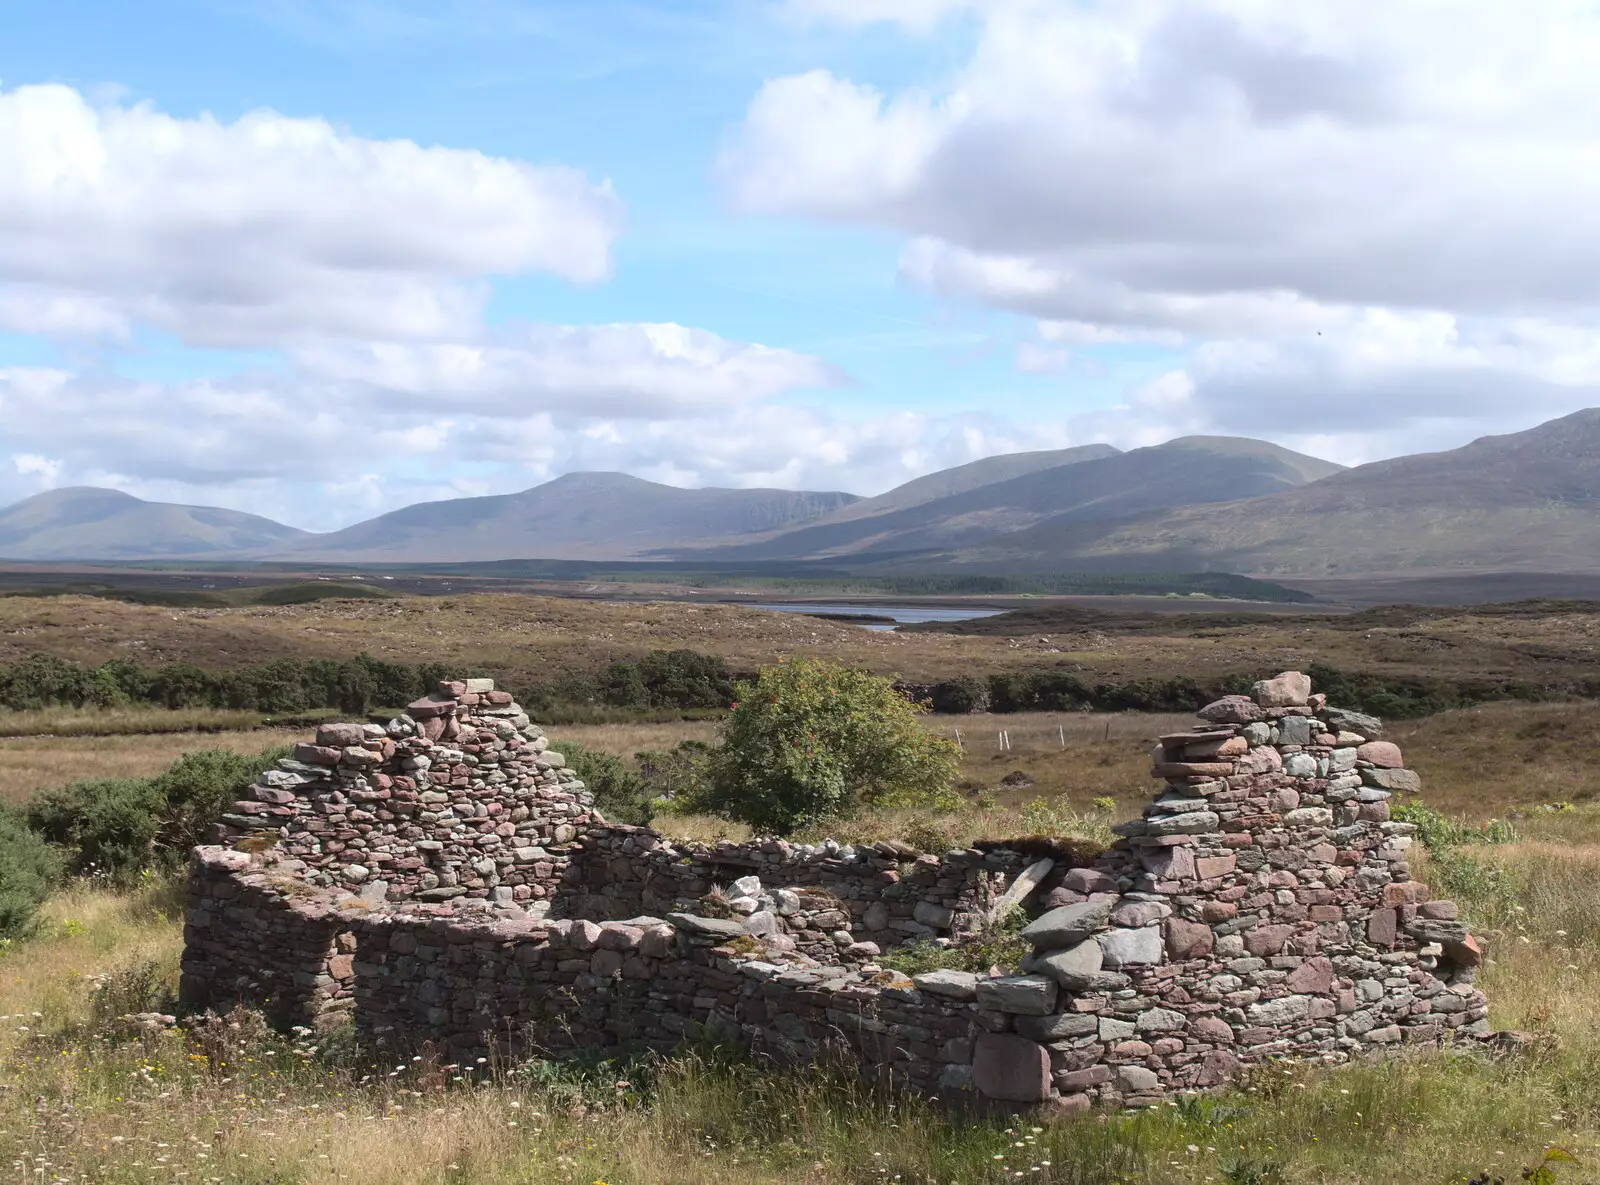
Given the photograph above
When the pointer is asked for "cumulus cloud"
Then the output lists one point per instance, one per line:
(322, 454)
(628, 370)
(269, 228)
(1394, 214)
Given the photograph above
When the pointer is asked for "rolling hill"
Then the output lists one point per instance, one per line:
(1089, 487)
(1529, 501)
(89, 523)
(580, 516)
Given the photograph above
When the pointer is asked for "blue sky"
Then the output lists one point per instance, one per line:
(900, 233)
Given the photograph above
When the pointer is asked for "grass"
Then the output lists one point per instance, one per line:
(28, 763)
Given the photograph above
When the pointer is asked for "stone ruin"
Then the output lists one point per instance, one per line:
(446, 881)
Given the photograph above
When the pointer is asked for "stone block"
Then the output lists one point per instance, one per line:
(1130, 948)
(936, 916)
(1074, 968)
(1267, 940)
(1188, 940)
(1088, 880)
(337, 736)
(1067, 926)
(1288, 690)
(1231, 709)
(1314, 976)
(1208, 867)
(952, 985)
(1137, 1079)
(1010, 1068)
(1057, 1026)
(1026, 995)
(1160, 1020)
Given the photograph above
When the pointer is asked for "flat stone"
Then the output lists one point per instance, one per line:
(936, 916)
(1343, 720)
(952, 985)
(1058, 1026)
(1025, 995)
(337, 736)
(1310, 816)
(1191, 823)
(1068, 925)
(1160, 1020)
(706, 927)
(1267, 940)
(1073, 969)
(1012, 1069)
(1404, 780)
(1129, 948)
(1022, 888)
(1088, 880)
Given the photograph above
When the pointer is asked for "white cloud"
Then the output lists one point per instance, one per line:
(269, 228)
(629, 370)
(1395, 213)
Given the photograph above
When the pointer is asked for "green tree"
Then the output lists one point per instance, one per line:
(810, 741)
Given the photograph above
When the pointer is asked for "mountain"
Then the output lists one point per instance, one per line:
(1109, 485)
(580, 516)
(88, 523)
(1529, 502)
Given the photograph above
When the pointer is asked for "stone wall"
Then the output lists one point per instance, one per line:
(1262, 907)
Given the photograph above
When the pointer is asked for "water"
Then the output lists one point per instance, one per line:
(902, 614)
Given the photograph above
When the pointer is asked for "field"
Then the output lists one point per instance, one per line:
(524, 639)
(85, 1098)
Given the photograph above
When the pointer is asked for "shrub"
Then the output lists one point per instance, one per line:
(103, 825)
(620, 794)
(118, 827)
(808, 741)
(198, 787)
(29, 868)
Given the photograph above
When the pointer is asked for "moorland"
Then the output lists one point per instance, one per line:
(1497, 716)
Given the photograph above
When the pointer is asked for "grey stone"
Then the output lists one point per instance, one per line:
(1192, 823)
(1294, 730)
(1075, 968)
(952, 985)
(1068, 925)
(1161, 1020)
(1282, 1011)
(1136, 1078)
(761, 923)
(706, 927)
(1112, 1029)
(1300, 765)
(1057, 1026)
(1025, 995)
(1367, 727)
(876, 916)
(1129, 948)
(1022, 888)
(936, 916)
(1012, 1069)
(1310, 816)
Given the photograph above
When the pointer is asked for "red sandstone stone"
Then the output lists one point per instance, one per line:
(1443, 911)
(1207, 867)
(1383, 754)
(1213, 1029)
(1188, 940)
(1267, 940)
(1404, 893)
(1068, 1106)
(1010, 1068)
(1382, 927)
(1314, 976)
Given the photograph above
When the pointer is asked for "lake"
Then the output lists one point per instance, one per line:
(902, 614)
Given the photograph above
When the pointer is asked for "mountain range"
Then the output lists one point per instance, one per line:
(1526, 502)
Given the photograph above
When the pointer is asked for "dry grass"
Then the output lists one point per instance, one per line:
(61, 721)
(526, 638)
(27, 763)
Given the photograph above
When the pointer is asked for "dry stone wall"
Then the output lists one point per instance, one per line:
(1262, 907)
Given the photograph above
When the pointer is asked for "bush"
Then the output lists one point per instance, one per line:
(103, 825)
(809, 741)
(619, 792)
(118, 827)
(29, 869)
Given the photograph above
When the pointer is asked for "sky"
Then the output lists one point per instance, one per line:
(317, 259)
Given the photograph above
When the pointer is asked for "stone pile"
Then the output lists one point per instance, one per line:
(1262, 907)
(461, 796)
